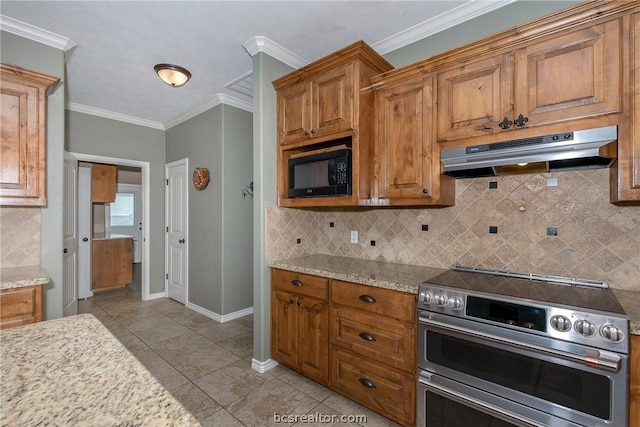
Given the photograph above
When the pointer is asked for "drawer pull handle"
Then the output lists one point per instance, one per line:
(367, 383)
(367, 336)
(368, 298)
(296, 282)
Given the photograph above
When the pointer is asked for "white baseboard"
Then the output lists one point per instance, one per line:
(157, 295)
(222, 318)
(263, 367)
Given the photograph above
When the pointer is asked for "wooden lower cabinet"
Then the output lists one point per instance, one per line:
(358, 340)
(299, 323)
(390, 392)
(634, 383)
(111, 263)
(20, 306)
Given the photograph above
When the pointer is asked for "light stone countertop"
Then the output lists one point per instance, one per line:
(389, 275)
(406, 278)
(74, 372)
(19, 277)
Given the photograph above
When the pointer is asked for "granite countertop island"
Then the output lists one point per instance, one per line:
(406, 278)
(73, 371)
(19, 277)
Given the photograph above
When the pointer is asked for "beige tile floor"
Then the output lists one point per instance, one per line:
(206, 365)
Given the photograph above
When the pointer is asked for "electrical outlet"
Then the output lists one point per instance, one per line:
(354, 236)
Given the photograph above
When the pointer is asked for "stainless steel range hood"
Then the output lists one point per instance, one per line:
(582, 149)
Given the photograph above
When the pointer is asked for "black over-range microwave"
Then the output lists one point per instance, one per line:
(320, 173)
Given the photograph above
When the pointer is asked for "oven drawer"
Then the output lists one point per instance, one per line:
(390, 303)
(301, 284)
(383, 389)
(376, 337)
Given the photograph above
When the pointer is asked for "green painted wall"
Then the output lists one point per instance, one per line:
(98, 136)
(45, 59)
(220, 221)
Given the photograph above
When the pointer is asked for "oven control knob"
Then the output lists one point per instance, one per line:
(612, 333)
(440, 300)
(560, 323)
(456, 303)
(585, 328)
(426, 297)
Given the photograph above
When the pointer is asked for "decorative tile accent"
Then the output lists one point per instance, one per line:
(596, 240)
(19, 236)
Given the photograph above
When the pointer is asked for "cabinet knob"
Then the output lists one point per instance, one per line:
(367, 383)
(313, 131)
(425, 191)
(296, 282)
(306, 133)
(299, 303)
(291, 301)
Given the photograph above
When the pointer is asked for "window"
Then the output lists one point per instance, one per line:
(122, 210)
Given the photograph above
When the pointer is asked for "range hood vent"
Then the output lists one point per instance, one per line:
(582, 149)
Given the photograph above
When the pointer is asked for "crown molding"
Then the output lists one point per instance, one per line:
(39, 35)
(264, 44)
(219, 99)
(80, 108)
(465, 12)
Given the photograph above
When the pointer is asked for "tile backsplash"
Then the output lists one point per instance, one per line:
(525, 224)
(19, 236)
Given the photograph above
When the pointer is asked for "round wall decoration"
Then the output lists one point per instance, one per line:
(200, 178)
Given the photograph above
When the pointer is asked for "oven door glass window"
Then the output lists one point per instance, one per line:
(443, 412)
(573, 388)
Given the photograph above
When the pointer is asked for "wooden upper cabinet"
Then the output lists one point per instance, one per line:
(326, 104)
(407, 162)
(474, 98)
(103, 183)
(625, 175)
(317, 108)
(23, 96)
(571, 76)
(564, 77)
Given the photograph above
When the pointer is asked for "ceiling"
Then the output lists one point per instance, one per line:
(112, 46)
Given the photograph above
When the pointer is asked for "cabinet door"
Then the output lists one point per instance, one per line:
(22, 155)
(294, 113)
(404, 140)
(123, 261)
(284, 328)
(473, 98)
(333, 101)
(101, 264)
(569, 77)
(634, 384)
(313, 336)
(626, 173)
(103, 183)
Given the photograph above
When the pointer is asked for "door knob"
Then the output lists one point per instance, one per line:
(181, 241)
(85, 239)
(65, 250)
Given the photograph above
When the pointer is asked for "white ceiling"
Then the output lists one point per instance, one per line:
(112, 46)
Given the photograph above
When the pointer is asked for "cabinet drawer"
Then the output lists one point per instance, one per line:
(398, 305)
(20, 306)
(376, 386)
(379, 338)
(302, 284)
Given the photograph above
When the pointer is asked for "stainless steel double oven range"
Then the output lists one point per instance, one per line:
(509, 349)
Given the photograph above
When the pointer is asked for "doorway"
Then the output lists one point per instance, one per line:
(145, 198)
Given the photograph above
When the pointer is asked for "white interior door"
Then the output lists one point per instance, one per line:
(125, 216)
(85, 232)
(177, 222)
(70, 237)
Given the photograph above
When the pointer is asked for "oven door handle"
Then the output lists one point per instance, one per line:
(599, 359)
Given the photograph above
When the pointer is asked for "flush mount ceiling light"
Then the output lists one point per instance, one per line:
(173, 75)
